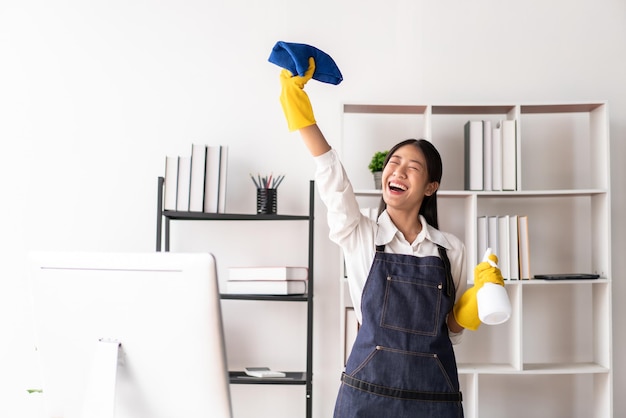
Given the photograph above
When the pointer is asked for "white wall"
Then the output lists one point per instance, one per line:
(93, 95)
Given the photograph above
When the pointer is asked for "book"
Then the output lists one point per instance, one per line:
(503, 246)
(513, 248)
(221, 198)
(492, 235)
(509, 155)
(496, 158)
(212, 178)
(196, 185)
(184, 176)
(487, 156)
(263, 372)
(266, 287)
(524, 248)
(482, 234)
(271, 273)
(170, 183)
(474, 155)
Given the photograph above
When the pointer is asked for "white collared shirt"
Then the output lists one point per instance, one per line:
(358, 235)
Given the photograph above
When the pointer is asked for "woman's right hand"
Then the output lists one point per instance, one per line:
(294, 100)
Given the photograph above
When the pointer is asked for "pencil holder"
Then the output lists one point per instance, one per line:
(266, 201)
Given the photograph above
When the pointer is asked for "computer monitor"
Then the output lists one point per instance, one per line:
(161, 312)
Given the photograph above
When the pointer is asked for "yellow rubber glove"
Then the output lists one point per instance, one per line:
(466, 309)
(294, 100)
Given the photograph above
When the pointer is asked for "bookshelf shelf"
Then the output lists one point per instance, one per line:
(277, 298)
(199, 216)
(508, 194)
(304, 378)
(557, 343)
(291, 378)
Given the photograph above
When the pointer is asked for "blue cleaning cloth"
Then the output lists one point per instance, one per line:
(295, 58)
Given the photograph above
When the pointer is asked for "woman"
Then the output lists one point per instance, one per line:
(404, 276)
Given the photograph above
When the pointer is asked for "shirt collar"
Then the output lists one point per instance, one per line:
(387, 231)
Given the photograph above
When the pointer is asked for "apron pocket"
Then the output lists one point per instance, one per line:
(411, 305)
(398, 369)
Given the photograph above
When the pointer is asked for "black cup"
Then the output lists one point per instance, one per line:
(266, 201)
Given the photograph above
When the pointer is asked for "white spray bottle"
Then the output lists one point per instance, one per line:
(494, 306)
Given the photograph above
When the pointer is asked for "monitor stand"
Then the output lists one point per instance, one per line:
(100, 388)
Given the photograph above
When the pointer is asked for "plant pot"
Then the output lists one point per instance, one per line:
(378, 183)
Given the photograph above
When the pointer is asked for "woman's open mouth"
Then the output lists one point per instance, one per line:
(397, 187)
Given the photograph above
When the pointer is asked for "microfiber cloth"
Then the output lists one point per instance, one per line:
(295, 58)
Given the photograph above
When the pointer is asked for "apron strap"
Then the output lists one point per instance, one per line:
(450, 289)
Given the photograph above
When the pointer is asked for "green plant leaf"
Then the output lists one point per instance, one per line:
(378, 159)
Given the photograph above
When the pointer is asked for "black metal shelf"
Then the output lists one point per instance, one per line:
(201, 216)
(277, 298)
(164, 218)
(291, 378)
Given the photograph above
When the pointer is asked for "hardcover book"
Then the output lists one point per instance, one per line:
(271, 273)
(509, 155)
(198, 167)
(474, 155)
(266, 287)
(184, 177)
(171, 183)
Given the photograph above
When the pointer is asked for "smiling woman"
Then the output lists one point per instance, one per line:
(413, 271)
(415, 163)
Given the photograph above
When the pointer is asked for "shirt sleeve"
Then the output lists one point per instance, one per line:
(336, 192)
(348, 228)
(455, 337)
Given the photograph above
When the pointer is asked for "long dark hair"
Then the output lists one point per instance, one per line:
(434, 166)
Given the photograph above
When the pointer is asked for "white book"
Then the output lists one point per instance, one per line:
(503, 245)
(487, 156)
(496, 162)
(277, 273)
(221, 199)
(509, 156)
(198, 167)
(524, 248)
(184, 177)
(482, 235)
(474, 155)
(513, 248)
(212, 178)
(171, 183)
(270, 287)
(492, 237)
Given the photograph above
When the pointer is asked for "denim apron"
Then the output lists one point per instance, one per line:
(402, 363)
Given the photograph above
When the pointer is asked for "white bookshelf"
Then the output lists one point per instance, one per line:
(553, 357)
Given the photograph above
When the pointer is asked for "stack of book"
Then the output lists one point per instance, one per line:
(490, 155)
(507, 236)
(197, 182)
(280, 280)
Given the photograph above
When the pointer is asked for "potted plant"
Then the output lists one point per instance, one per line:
(376, 167)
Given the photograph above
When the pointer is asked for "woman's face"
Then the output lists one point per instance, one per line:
(405, 179)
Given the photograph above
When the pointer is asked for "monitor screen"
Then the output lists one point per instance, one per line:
(161, 313)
